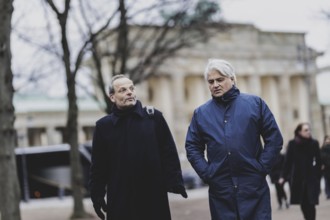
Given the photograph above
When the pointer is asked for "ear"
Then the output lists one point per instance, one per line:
(112, 98)
(232, 80)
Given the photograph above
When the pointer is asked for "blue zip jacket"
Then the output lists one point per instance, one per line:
(229, 130)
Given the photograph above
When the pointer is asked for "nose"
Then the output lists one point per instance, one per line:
(216, 84)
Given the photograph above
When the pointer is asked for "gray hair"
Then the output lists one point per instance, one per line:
(223, 66)
(111, 87)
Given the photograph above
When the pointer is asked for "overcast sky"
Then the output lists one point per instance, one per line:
(291, 16)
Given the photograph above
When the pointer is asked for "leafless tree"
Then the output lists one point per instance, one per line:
(175, 24)
(171, 27)
(9, 188)
(71, 131)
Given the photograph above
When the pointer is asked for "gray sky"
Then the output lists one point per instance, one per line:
(291, 16)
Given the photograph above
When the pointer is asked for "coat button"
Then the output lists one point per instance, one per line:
(229, 153)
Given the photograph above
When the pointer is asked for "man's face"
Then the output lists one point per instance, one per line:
(124, 95)
(218, 84)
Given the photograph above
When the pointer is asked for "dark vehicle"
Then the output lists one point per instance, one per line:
(45, 171)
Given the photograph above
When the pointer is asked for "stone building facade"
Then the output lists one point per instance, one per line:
(40, 119)
(274, 65)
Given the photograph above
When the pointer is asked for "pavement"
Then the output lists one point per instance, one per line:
(193, 208)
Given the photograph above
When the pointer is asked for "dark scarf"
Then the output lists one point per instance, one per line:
(125, 112)
(302, 141)
(230, 95)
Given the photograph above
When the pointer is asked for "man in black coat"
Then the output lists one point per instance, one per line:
(134, 160)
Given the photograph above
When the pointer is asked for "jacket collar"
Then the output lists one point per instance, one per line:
(118, 114)
(230, 95)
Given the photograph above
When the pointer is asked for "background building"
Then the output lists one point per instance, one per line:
(274, 65)
(40, 119)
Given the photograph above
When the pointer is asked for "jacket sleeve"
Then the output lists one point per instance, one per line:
(168, 153)
(272, 137)
(195, 149)
(97, 181)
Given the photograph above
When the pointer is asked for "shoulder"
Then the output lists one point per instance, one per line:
(250, 98)
(315, 143)
(207, 105)
(154, 113)
(291, 143)
(104, 120)
(150, 110)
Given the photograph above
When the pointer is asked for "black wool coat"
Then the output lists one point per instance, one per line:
(325, 157)
(135, 159)
(302, 168)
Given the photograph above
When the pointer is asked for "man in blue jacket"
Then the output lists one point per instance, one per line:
(229, 128)
(134, 160)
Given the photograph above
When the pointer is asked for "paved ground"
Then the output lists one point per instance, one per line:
(193, 208)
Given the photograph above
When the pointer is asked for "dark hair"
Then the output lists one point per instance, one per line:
(111, 88)
(299, 128)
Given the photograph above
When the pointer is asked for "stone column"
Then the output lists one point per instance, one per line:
(286, 120)
(81, 134)
(53, 136)
(315, 111)
(195, 88)
(270, 94)
(242, 84)
(254, 84)
(162, 97)
(179, 114)
(303, 99)
(22, 137)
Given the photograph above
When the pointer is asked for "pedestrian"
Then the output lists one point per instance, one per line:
(274, 175)
(325, 157)
(134, 160)
(229, 128)
(302, 169)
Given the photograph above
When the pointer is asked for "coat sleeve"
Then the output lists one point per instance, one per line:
(168, 153)
(288, 163)
(317, 159)
(272, 137)
(97, 181)
(195, 149)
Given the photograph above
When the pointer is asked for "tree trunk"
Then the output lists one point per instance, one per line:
(72, 135)
(9, 187)
(71, 130)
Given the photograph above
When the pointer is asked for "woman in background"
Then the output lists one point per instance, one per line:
(302, 168)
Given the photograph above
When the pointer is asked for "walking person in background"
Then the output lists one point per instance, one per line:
(229, 127)
(302, 168)
(134, 160)
(325, 157)
(274, 175)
